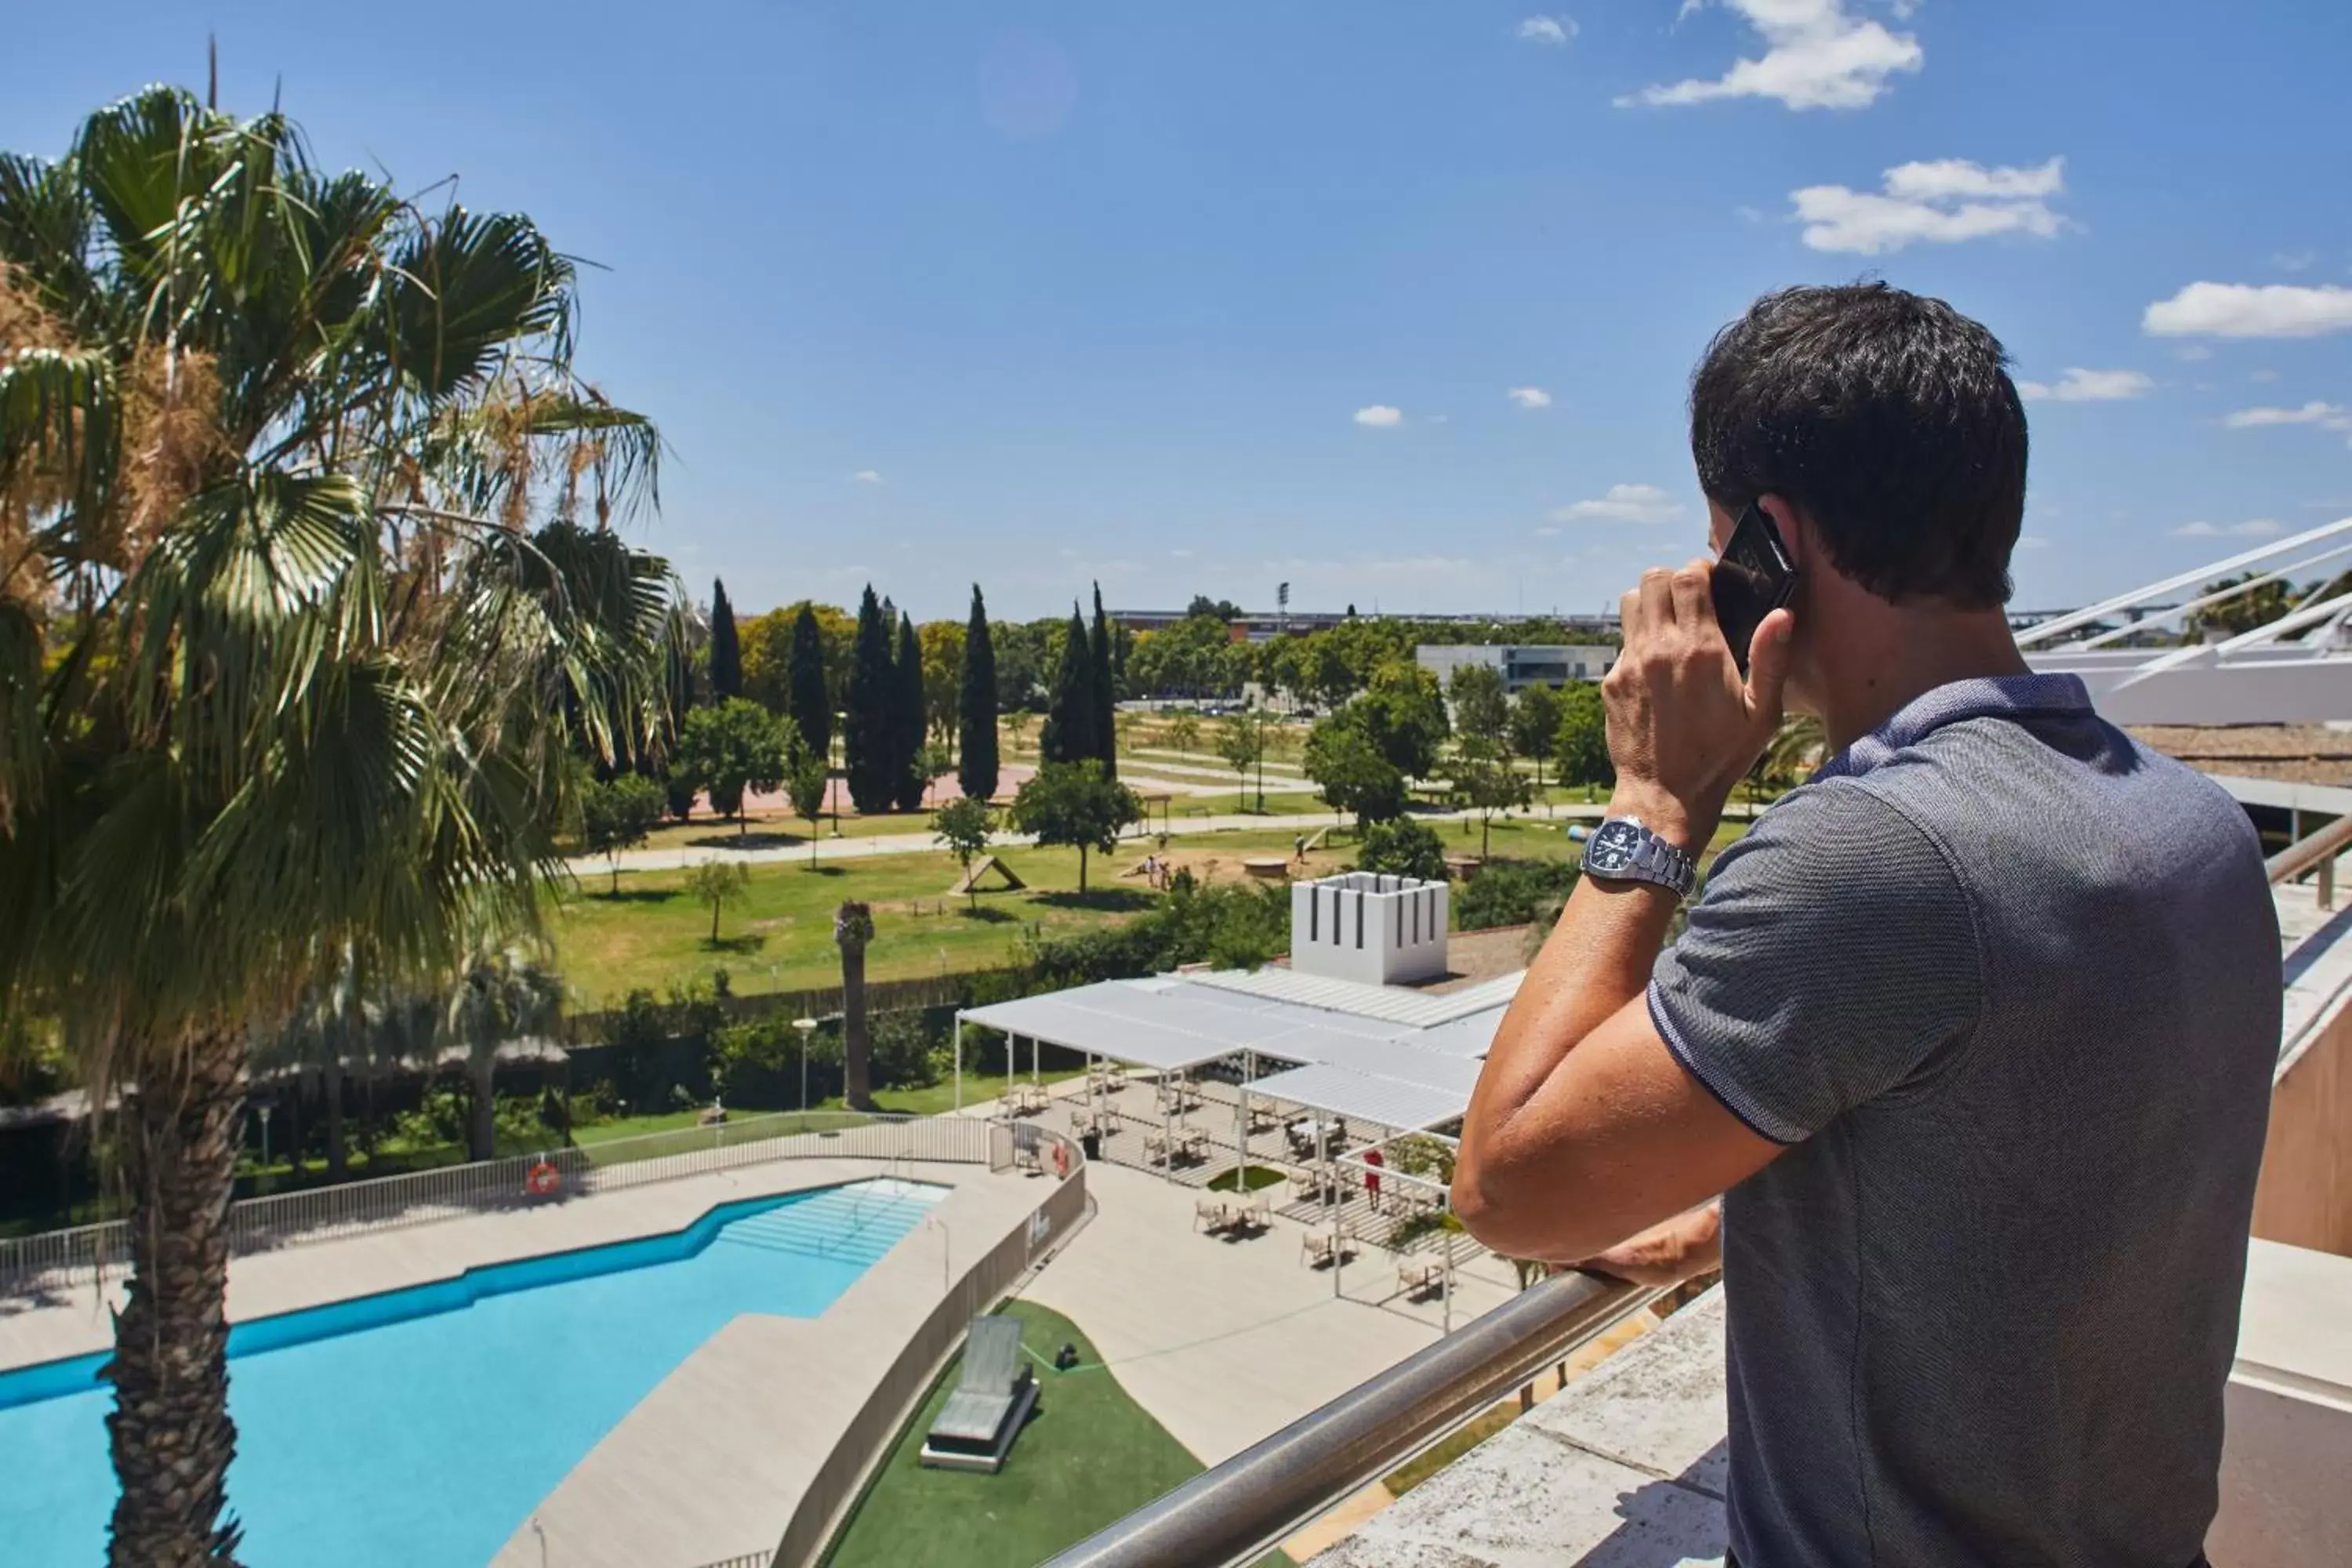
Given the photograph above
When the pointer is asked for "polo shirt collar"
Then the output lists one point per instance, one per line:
(2018, 696)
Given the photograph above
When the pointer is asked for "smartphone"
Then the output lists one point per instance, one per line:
(1753, 578)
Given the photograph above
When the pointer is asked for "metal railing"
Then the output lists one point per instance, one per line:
(2318, 849)
(1245, 1507)
(421, 1197)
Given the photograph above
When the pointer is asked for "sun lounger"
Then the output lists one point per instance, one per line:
(993, 1396)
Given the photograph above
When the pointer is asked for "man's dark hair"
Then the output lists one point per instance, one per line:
(1888, 418)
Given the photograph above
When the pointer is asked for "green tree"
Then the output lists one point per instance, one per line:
(909, 761)
(943, 654)
(853, 928)
(1404, 716)
(721, 884)
(809, 702)
(1070, 734)
(726, 649)
(869, 732)
(1582, 751)
(1403, 848)
(736, 747)
(1483, 779)
(308, 603)
(1535, 726)
(1105, 689)
(1482, 710)
(617, 815)
(964, 826)
(806, 775)
(1185, 732)
(1016, 724)
(1021, 665)
(2258, 604)
(1241, 742)
(1074, 806)
(505, 993)
(976, 768)
(1349, 771)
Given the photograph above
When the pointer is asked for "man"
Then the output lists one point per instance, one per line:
(1974, 1029)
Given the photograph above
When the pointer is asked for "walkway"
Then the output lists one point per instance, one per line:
(1225, 1341)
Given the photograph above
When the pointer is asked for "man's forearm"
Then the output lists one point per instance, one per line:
(1597, 960)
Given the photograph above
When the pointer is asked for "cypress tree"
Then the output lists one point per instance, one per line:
(868, 735)
(811, 709)
(725, 651)
(907, 718)
(1106, 691)
(976, 742)
(1068, 735)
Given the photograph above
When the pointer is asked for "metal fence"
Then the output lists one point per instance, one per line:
(421, 1197)
(1243, 1508)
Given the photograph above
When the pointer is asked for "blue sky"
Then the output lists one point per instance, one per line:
(1207, 297)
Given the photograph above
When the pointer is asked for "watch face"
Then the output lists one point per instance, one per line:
(1610, 850)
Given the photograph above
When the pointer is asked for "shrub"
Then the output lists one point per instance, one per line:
(1511, 892)
(1403, 849)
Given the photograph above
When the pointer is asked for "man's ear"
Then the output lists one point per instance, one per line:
(1795, 536)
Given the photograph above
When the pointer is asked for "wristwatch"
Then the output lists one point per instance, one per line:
(1622, 850)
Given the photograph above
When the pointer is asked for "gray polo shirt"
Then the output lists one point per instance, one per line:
(2008, 986)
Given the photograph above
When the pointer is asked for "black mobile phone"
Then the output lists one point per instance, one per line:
(1753, 578)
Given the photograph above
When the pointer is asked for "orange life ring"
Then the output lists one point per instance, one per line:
(544, 1179)
(1061, 1159)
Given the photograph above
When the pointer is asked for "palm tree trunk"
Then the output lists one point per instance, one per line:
(170, 1434)
(331, 1076)
(482, 1143)
(856, 1054)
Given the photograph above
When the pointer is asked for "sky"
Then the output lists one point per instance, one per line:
(1395, 302)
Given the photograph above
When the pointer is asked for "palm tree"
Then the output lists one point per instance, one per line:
(853, 928)
(301, 623)
(505, 993)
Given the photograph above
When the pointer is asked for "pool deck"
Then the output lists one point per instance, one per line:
(1228, 1342)
(710, 1463)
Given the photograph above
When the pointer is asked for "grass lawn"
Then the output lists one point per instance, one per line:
(779, 937)
(1090, 1456)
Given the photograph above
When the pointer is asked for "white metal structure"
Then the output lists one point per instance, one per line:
(1369, 927)
(2259, 676)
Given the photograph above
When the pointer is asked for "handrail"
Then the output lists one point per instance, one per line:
(1244, 1507)
(2312, 849)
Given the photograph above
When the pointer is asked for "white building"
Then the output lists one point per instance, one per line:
(1369, 927)
(1520, 665)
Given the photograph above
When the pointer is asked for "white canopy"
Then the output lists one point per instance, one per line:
(1361, 1097)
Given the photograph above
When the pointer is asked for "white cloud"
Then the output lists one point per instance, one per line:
(867, 476)
(2252, 528)
(1529, 396)
(1380, 416)
(2324, 415)
(2031, 541)
(1816, 56)
(1553, 31)
(1545, 531)
(2192, 352)
(2079, 385)
(2295, 260)
(2250, 310)
(1940, 203)
(1625, 503)
(1181, 554)
(2263, 376)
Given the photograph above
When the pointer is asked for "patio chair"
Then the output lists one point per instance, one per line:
(1212, 1215)
(993, 1396)
(1323, 1248)
(1421, 1275)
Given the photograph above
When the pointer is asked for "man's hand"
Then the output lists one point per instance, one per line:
(1682, 725)
(1684, 1247)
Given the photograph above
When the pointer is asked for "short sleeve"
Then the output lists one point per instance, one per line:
(1833, 952)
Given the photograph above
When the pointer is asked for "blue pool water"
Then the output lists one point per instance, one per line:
(418, 1428)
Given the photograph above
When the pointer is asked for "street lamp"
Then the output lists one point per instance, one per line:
(807, 1027)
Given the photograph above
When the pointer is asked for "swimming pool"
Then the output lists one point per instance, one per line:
(418, 1428)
